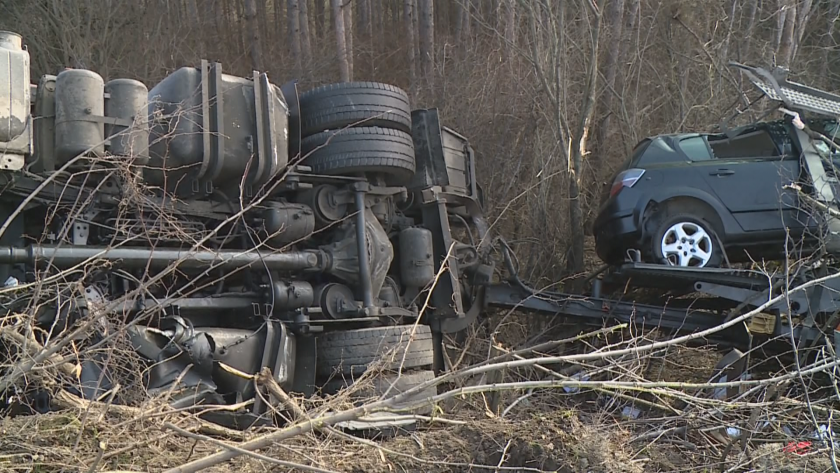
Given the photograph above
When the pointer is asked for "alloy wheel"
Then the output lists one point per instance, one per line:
(687, 244)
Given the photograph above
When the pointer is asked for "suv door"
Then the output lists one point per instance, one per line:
(747, 174)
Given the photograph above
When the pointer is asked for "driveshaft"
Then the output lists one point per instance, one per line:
(160, 258)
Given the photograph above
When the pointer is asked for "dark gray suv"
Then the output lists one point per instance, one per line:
(698, 200)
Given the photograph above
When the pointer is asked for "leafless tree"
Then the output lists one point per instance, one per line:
(293, 17)
(347, 11)
(305, 35)
(254, 46)
(426, 30)
(787, 33)
(341, 41)
(411, 39)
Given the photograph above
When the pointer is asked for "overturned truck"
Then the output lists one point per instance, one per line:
(235, 225)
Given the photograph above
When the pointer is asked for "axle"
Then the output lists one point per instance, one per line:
(139, 258)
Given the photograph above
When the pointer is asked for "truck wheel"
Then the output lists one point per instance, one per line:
(686, 240)
(371, 150)
(350, 352)
(379, 385)
(348, 104)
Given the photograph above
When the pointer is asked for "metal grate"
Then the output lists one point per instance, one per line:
(775, 86)
(802, 100)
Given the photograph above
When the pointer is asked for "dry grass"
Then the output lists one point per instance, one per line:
(539, 430)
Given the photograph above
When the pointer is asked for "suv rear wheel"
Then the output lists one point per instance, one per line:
(686, 240)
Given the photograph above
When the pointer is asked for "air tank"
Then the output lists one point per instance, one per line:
(14, 86)
(127, 100)
(79, 107)
(287, 222)
(417, 267)
(292, 295)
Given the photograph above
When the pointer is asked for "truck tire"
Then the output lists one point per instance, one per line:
(379, 385)
(348, 104)
(368, 150)
(350, 352)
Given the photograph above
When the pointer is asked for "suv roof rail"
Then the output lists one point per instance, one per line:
(793, 95)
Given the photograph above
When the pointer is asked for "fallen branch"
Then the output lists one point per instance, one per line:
(234, 448)
(404, 398)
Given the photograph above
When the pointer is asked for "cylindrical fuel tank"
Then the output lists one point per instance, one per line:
(417, 267)
(79, 102)
(213, 130)
(14, 86)
(128, 99)
(287, 222)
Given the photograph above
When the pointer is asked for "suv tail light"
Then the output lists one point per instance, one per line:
(626, 178)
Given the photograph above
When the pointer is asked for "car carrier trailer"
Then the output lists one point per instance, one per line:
(235, 225)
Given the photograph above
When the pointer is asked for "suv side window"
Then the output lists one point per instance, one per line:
(695, 148)
(755, 144)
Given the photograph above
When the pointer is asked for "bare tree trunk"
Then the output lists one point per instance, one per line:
(196, 20)
(262, 16)
(370, 6)
(724, 50)
(376, 14)
(833, 13)
(192, 13)
(803, 14)
(347, 10)
(628, 35)
(364, 18)
(463, 13)
(787, 36)
(415, 20)
(427, 40)
(305, 35)
(748, 31)
(320, 18)
(254, 47)
(510, 28)
(278, 18)
(340, 40)
(579, 150)
(237, 11)
(394, 7)
(615, 24)
(411, 36)
(293, 17)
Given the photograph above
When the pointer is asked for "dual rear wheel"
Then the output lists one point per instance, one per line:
(358, 128)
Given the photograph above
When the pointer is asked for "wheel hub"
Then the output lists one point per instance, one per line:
(687, 244)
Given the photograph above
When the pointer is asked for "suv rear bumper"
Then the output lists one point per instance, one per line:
(614, 236)
(615, 229)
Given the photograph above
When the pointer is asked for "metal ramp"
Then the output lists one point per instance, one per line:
(793, 95)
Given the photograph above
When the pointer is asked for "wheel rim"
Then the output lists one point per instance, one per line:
(687, 244)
